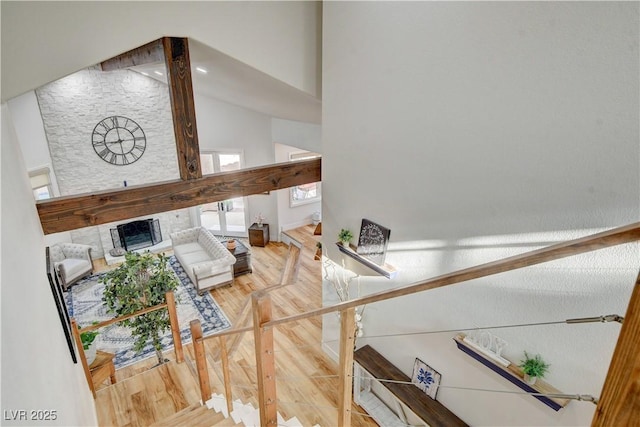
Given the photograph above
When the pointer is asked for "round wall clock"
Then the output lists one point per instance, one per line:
(118, 140)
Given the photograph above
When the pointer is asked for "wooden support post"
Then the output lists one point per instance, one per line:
(175, 326)
(201, 360)
(224, 357)
(620, 400)
(82, 356)
(178, 62)
(265, 361)
(347, 337)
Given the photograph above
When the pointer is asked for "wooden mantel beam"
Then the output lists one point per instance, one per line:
(72, 212)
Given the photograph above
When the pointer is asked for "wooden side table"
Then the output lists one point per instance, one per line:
(259, 235)
(243, 258)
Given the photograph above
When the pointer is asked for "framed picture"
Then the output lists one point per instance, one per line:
(425, 378)
(372, 243)
(56, 290)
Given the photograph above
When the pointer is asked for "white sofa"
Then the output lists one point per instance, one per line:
(207, 261)
(72, 262)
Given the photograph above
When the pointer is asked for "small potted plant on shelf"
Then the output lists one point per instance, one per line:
(533, 367)
(345, 236)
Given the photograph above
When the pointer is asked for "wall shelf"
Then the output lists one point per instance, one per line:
(514, 374)
(386, 270)
(395, 403)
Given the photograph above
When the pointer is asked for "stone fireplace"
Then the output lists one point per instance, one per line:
(136, 234)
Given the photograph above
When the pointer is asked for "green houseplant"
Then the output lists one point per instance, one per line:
(140, 282)
(533, 367)
(88, 344)
(345, 236)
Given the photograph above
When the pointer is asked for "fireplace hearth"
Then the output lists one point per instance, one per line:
(136, 234)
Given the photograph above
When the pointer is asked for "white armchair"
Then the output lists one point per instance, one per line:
(72, 262)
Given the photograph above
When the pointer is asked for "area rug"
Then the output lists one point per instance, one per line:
(84, 301)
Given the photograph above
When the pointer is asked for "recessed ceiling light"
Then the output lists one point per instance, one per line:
(202, 70)
(144, 74)
(158, 73)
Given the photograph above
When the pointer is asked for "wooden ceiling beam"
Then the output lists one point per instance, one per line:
(73, 212)
(150, 53)
(183, 110)
(174, 53)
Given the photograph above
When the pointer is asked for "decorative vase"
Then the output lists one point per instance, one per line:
(231, 244)
(90, 353)
(530, 379)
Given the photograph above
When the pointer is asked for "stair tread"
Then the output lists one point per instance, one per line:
(194, 415)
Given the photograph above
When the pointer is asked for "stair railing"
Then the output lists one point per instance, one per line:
(263, 325)
(243, 324)
(169, 304)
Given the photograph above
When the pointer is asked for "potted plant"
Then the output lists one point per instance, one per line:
(89, 344)
(533, 368)
(345, 236)
(141, 282)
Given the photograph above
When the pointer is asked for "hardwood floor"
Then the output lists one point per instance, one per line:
(145, 394)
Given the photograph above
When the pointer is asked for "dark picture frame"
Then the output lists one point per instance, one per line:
(373, 240)
(56, 291)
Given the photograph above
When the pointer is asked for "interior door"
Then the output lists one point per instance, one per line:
(227, 218)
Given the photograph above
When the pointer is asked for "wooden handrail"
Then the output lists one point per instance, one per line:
(606, 239)
(616, 236)
(263, 324)
(121, 318)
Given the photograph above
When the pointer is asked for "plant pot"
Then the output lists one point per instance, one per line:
(231, 244)
(530, 379)
(90, 353)
(345, 244)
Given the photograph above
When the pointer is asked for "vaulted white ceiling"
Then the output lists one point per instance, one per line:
(234, 82)
(44, 41)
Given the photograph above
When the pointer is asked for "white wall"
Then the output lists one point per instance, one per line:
(278, 38)
(30, 130)
(37, 371)
(304, 136)
(296, 216)
(476, 131)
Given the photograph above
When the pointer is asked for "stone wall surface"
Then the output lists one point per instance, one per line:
(72, 107)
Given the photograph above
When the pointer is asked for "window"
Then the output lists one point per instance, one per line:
(306, 193)
(41, 183)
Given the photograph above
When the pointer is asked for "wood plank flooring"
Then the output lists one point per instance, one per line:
(145, 394)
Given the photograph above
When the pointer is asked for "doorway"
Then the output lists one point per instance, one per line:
(226, 218)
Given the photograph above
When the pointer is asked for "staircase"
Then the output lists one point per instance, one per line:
(215, 414)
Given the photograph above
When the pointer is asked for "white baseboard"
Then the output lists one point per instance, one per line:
(330, 352)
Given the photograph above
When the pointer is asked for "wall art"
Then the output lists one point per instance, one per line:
(58, 298)
(372, 243)
(426, 378)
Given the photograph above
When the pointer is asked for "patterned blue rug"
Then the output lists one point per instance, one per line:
(84, 301)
